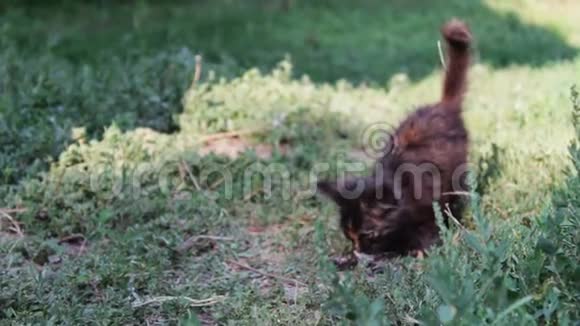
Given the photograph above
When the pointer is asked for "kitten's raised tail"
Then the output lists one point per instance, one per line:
(458, 38)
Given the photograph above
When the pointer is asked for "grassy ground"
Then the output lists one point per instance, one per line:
(113, 214)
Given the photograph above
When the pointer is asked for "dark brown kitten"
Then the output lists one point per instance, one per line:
(391, 211)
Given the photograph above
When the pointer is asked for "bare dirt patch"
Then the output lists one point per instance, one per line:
(232, 147)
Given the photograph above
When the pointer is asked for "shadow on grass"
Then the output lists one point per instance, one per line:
(367, 40)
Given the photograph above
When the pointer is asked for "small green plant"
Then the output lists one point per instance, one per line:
(560, 240)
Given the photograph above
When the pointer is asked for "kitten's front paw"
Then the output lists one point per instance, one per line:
(417, 253)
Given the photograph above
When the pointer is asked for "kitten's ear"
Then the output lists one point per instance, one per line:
(343, 191)
(329, 189)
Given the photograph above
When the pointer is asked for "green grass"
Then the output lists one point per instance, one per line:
(101, 132)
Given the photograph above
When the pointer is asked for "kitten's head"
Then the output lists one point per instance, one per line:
(365, 204)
